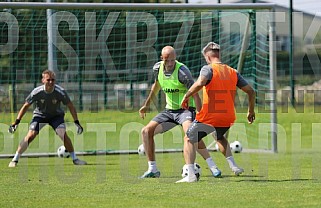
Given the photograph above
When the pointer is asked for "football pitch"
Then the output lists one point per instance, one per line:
(290, 178)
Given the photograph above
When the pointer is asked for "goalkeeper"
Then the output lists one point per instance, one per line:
(47, 99)
(174, 78)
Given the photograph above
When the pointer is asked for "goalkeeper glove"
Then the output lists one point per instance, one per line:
(14, 126)
(80, 129)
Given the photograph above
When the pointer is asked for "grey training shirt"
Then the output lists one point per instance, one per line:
(48, 104)
(207, 72)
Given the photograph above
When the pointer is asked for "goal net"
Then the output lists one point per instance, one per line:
(103, 54)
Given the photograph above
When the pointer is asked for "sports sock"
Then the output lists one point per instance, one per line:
(73, 156)
(190, 169)
(210, 162)
(16, 157)
(231, 161)
(152, 166)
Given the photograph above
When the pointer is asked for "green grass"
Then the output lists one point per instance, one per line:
(290, 178)
(111, 181)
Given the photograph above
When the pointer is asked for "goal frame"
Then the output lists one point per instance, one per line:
(135, 6)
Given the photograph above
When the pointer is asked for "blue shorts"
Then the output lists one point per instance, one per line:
(197, 131)
(37, 123)
(168, 119)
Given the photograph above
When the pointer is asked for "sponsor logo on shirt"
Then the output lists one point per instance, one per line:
(168, 90)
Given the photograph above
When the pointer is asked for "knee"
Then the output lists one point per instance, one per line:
(30, 136)
(147, 131)
(61, 132)
(193, 137)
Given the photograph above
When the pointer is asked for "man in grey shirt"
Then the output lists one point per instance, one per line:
(207, 72)
(47, 99)
(218, 110)
(174, 78)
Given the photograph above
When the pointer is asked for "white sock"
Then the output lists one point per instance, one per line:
(73, 156)
(190, 169)
(211, 163)
(152, 166)
(231, 161)
(16, 157)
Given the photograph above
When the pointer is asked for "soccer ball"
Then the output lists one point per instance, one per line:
(236, 147)
(141, 149)
(197, 169)
(62, 152)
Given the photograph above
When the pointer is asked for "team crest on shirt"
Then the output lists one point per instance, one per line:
(54, 101)
(42, 100)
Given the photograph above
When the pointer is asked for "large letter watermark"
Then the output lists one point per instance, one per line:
(60, 43)
(13, 33)
(101, 129)
(95, 47)
(187, 19)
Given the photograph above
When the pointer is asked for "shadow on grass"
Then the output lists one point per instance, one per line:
(99, 164)
(233, 176)
(222, 177)
(276, 180)
(259, 179)
(66, 164)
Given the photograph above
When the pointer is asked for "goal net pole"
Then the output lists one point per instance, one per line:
(107, 42)
(51, 37)
(272, 57)
(244, 45)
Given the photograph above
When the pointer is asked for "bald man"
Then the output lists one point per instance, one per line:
(174, 78)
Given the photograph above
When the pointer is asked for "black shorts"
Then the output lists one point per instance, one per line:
(37, 123)
(197, 131)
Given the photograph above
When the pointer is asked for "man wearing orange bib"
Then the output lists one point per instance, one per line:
(219, 82)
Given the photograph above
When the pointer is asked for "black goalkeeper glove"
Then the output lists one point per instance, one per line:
(80, 129)
(14, 126)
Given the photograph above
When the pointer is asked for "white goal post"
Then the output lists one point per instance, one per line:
(228, 39)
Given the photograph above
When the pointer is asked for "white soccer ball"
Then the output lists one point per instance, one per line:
(141, 149)
(62, 152)
(197, 169)
(236, 147)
